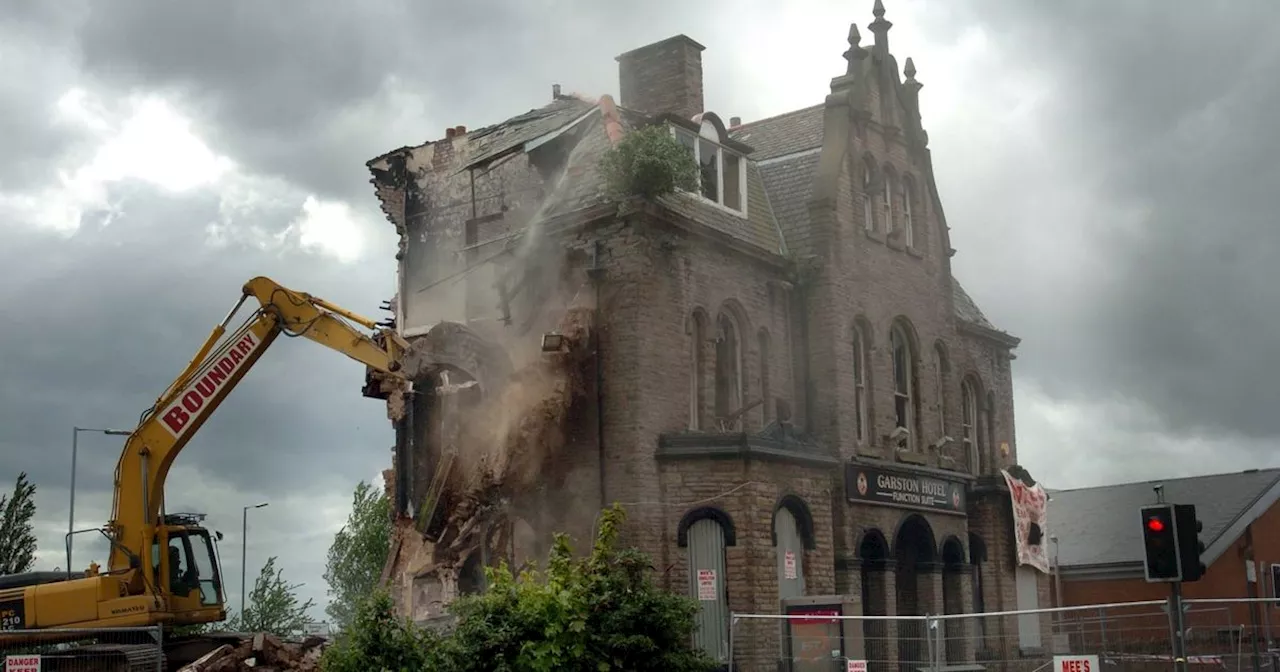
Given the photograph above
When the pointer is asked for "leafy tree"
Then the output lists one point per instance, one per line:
(17, 536)
(648, 162)
(273, 605)
(358, 553)
(377, 641)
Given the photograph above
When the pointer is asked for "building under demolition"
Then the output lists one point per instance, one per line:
(778, 376)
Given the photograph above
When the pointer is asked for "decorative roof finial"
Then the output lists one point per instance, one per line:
(881, 28)
(910, 72)
(855, 52)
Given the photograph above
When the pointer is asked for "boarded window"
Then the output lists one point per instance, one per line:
(706, 585)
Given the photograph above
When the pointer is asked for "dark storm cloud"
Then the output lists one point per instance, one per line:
(1172, 110)
(311, 92)
(109, 317)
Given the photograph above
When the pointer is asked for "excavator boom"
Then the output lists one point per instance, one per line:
(219, 365)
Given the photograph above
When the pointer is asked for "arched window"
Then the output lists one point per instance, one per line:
(940, 386)
(728, 371)
(886, 198)
(969, 425)
(907, 192)
(903, 383)
(765, 401)
(697, 365)
(860, 383)
(868, 209)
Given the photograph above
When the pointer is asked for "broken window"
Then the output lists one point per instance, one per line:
(903, 384)
(728, 372)
(908, 225)
(940, 386)
(868, 211)
(722, 173)
(697, 365)
(968, 421)
(886, 200)
(860, 384)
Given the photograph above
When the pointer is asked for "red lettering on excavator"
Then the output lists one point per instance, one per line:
(198, 393)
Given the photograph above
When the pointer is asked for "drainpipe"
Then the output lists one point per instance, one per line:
(596, 273)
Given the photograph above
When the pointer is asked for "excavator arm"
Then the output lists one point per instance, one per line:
(212, 374)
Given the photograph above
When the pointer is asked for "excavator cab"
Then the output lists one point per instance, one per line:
(185, 563)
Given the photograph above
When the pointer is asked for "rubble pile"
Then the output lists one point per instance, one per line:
(262, 653)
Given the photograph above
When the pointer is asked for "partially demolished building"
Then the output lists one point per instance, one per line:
(778, 376)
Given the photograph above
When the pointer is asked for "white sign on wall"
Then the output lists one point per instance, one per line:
(707, 585)
(1075, 664)
(856, 666)
(789, 565)
(22, 664)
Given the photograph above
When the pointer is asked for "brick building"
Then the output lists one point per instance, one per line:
(1100, 552)
(785, 385)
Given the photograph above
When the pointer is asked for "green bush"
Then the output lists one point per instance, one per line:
(601, 613)
(648, 162)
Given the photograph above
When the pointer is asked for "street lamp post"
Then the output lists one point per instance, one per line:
(71, 517)
(244, 551)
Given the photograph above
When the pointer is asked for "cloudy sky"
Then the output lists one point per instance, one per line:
(1104, 172)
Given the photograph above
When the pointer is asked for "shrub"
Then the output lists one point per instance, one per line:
(648, 162)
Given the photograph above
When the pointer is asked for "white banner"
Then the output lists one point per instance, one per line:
(1029, 508)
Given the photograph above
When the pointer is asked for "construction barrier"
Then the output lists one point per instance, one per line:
(81, 650)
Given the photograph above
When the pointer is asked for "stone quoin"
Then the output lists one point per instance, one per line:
(777, 375)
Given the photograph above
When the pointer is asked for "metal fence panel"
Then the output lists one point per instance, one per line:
(82, 650)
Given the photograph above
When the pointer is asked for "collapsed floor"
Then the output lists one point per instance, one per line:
(496, 449)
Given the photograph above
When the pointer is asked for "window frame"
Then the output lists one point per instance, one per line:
(969, 424)
(907, 189)
(898, 336)
(868, 205)
(860, 408)
(698, 139)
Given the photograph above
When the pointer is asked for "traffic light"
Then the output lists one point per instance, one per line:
(1160, 542)
(1190, 548)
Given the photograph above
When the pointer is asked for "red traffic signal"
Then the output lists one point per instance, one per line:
(1155, 524)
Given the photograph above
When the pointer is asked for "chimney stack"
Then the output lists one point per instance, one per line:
(460, 130)
(735, 122)
(448, 133)
(555, 92)
(663, 77)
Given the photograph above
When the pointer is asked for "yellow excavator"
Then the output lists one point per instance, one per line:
(163, 568)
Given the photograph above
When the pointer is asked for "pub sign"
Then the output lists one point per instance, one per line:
(901, 488)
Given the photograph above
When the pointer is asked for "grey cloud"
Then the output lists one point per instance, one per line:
(1166, 112)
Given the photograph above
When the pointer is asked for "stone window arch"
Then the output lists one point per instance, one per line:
(905, 398)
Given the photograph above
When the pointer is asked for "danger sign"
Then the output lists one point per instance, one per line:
(856, 666)
(22, 664)
(789, 565)
(1075, 664)
(707, 585)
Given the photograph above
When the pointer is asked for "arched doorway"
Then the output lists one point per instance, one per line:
(953, 568)
(915, 554)
(873, 552)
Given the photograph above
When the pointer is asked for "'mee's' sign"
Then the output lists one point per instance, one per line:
(1075, 664)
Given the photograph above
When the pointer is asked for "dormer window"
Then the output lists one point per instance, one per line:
(722, 171)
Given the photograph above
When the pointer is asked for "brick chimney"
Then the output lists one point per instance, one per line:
(663, 77)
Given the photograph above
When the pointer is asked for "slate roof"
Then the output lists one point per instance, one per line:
(1100, 526)
(782, 135)
(965, 307)
(493, 142)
